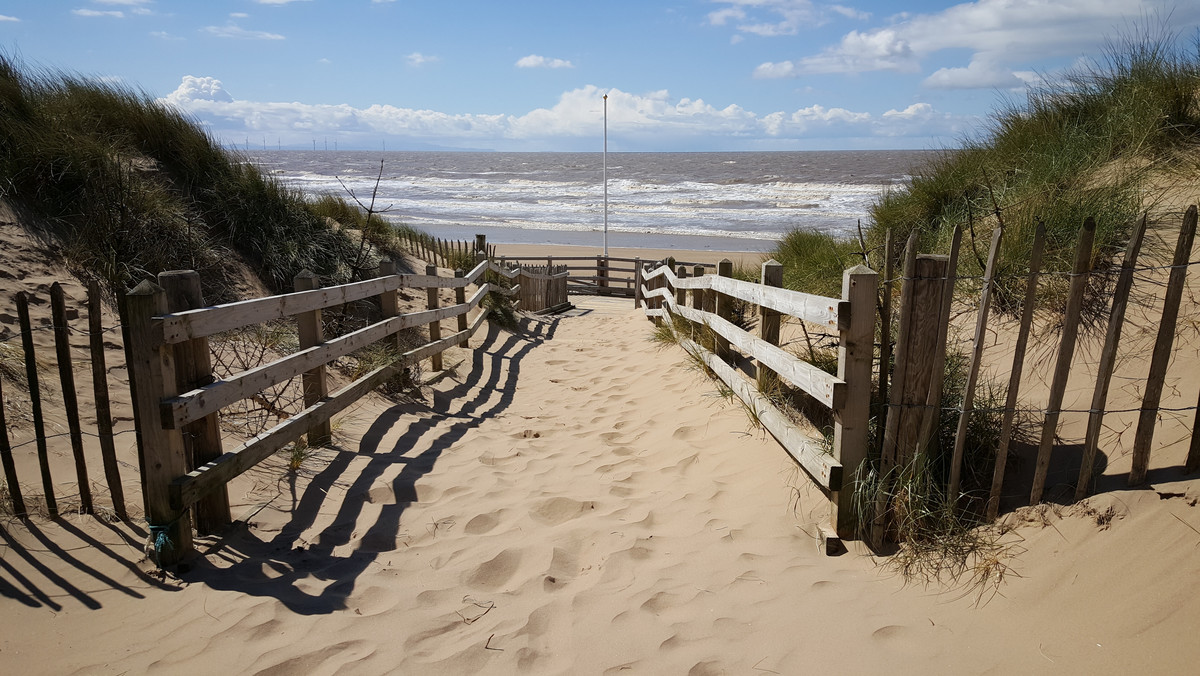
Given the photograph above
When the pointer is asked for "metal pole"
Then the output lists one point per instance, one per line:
(606, 175)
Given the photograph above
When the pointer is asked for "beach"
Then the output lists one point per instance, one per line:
(574, 498)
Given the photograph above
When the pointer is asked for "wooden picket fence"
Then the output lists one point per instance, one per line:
(848, 394)
(84, 444)
(912, 398)
(445, 253)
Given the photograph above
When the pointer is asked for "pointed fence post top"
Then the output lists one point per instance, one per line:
(146, 288)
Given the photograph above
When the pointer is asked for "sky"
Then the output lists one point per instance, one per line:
(516, 75)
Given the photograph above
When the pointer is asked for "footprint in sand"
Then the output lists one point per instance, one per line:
(494, 573)
(560, 510)
(481, 524)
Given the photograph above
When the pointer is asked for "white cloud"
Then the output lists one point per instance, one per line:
(239, 15)
(232, 30)
(8, 18)
(163, 35)
(125, 3)
(774, 18)
(996, 32)
(767, 71)
(979, 74)
(277, 2)
(193, 89)
(535, 61)
(651, 120)
(417, 59)
(115, 14)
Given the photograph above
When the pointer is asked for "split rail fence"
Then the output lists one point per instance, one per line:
(176, 398)
(847, 395)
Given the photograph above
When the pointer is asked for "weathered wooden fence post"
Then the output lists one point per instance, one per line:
(916, 348)
(681, 272)
(66, 376)
(108, 449)
(856, 354)
(460, 297)
(1066, 350)
(193, 368)
(724, 310)
(312, 333)
(151, 365)
(1108, 360)
(601, 272)
(1018, 365)
(964, 418)
(637, 283)
(481, 250)
(35, 400)
(10, 468)
(389, 304)
(1161, 355)
(768, 327)
(435, 327)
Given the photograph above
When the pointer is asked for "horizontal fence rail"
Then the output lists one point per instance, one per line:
(161, 340)
(664, 293)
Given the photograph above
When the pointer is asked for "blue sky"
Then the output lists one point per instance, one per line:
(514, 75)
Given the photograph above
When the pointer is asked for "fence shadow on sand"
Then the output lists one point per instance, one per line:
(285, 566)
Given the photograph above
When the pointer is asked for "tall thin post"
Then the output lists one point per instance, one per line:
(460, 297)
(312, 333)
(724, 310)
(605, 174)
(435, 327)
(1018, 364)
(768, 326)
(35, 400)
(985, 306)
(66, 376)
(1161, 356)
(10, 468)
(1066, 350)
(1108, 360)
(637, 283)
(108, 449)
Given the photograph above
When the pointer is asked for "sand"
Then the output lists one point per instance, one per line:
(573, 499)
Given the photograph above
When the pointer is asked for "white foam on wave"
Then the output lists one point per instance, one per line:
(758, 210)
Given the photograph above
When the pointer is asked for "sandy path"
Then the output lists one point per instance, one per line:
(575, 501)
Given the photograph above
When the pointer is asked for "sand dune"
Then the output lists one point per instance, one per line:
(608, 515)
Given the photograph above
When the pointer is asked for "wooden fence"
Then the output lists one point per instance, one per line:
(912, 398)
(597, 275)
(847, 395)
(542, 290)
(444, 252)
(84, 443)
(176, 397)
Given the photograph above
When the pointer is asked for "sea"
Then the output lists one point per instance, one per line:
(726, 201)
